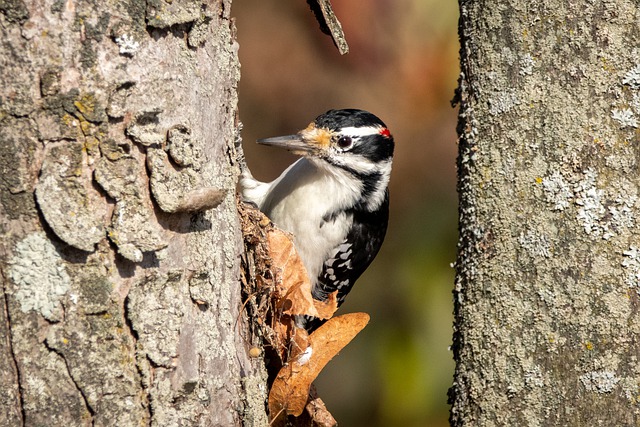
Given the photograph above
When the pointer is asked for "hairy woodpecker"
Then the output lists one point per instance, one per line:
(334, 200)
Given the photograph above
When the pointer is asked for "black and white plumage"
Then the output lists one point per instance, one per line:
(334, 200)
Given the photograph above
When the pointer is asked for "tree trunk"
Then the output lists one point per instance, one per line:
(548, 270)
(120, 238)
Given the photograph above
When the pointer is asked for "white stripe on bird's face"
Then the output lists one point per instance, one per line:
(360, 131)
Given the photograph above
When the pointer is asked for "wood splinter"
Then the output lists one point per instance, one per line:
(329, 23)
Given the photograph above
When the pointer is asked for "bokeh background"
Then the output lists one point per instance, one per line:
(403, 67)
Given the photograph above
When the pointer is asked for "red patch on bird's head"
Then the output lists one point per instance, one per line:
(385, 132)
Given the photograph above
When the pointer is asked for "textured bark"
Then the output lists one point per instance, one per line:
(120, 238)
(546, 298)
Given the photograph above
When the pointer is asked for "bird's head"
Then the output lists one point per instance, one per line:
(350, 139)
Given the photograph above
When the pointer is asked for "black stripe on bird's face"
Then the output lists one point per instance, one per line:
(375, 148)
(350, 117)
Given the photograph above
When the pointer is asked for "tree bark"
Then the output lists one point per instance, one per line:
(546, 297)
(120, 238)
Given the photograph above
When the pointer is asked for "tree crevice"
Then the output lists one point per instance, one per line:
(77, 386)
(9, 344)
(144, 377)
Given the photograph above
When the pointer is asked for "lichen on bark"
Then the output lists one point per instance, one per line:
(545, 311)
(115, 310)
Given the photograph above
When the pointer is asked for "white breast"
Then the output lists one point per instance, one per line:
(300, 201)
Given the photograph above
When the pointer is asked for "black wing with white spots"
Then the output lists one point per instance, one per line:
(352, 257)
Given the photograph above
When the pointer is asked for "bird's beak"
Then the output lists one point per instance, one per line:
(310, 141)
(293, 143)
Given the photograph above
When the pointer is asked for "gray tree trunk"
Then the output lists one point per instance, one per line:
(120, 238)
(548, 272)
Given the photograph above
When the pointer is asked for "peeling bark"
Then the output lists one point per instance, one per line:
(120, 239)
(547, 284)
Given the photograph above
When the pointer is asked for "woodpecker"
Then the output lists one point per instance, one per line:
(334, 199)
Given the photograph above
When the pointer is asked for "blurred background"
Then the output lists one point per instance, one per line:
(403, 67)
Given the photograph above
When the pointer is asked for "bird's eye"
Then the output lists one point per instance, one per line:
(345, 142)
